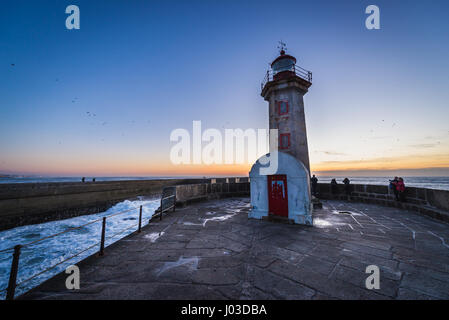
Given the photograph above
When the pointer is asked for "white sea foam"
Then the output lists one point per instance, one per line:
(191, 263)
(154, 236)
(321, 223)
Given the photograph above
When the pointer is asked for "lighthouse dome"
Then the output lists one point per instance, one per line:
(282, 63)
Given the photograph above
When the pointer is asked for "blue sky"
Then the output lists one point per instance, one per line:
(104, 99)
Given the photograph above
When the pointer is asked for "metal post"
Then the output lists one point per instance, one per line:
(13, 273)
(140, 220)
(162, 207)
(103, 233)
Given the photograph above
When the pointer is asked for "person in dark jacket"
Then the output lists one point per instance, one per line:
(314, 181)
(334, 186)
(393, 184)
(347, 182)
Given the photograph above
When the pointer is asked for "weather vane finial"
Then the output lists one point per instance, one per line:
(282, 47)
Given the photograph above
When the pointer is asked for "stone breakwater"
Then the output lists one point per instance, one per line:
(31, 203)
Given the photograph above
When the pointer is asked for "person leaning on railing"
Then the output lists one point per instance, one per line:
(400, 188)
(393, 186)
(347, 183)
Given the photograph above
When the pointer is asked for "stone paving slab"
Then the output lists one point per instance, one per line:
(211, 250)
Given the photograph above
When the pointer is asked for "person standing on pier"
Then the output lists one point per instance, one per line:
(334, 186)
(400, 188)
(347, 182)
(393, 186)
(314, 181)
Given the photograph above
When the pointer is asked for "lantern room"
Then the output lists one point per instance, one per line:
(283, 63)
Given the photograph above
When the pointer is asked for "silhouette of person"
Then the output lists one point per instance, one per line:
(347, 182)
(314, 181)
(334, 186)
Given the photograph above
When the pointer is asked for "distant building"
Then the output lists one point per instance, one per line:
(285, 194)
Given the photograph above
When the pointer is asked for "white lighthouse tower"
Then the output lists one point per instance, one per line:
(284, 194)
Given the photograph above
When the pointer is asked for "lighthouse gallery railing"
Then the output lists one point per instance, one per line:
(298, 71)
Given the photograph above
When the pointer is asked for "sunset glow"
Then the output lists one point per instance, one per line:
(103, 100)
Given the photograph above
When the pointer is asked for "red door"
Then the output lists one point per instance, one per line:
(277, 195)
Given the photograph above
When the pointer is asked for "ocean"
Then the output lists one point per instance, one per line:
(441, 183)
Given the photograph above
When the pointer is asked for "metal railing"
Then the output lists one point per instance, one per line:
(294, 69)
(16, 250)
(172, 206)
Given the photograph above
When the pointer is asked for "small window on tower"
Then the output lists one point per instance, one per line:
(282, 107)
(284, 141)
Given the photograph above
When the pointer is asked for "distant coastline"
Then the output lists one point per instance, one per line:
(7, 179)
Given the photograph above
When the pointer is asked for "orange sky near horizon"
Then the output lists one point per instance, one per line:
(140, 166)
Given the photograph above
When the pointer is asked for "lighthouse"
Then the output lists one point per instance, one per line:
(285, 193)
